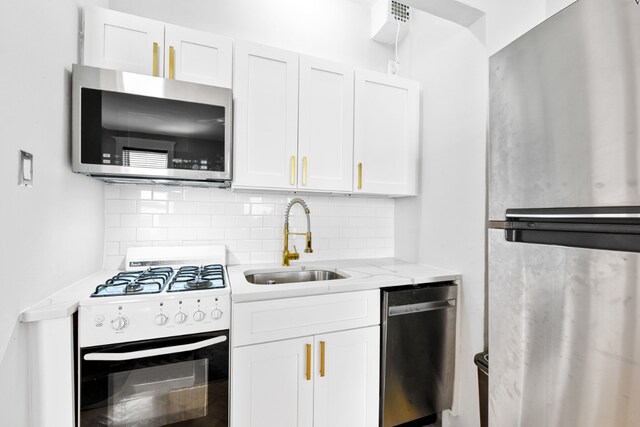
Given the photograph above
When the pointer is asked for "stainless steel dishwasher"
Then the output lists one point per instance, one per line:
(418, 352)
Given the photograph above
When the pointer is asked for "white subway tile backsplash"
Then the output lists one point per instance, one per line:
(238, 257)
(126, 245)
(211, 208)
(224, 220)
(210, 233)
(198, 221)
(276, 245)
(175, 207)
(120, 206)
(237, 233)
(120, 234)
(237, 208)
(250, 245)
(196, 194)
(152, 207)
(111, 191)
(249, 198)
(135, 192)
(250, 225)
(112, 248)
(263, 233)
(263, 257)
(112, 220)
(273, 221)
(166, 220)
(263, 209)
(220, 195)
(151, 234)
(136, 220)
(250, 221)
(181, 234)
(114, 262)
(164, 193)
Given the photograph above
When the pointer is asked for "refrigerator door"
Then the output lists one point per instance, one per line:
(565, 111)
(564, 336)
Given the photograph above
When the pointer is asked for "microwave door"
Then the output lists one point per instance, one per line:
(132, 131)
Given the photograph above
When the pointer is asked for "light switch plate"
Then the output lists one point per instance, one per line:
(25, 169)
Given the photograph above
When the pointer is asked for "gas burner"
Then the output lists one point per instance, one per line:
(190, 278)
(149, 281)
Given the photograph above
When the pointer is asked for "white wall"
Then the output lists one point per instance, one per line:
(249, 225)
(52, 233)
(506, 20)
(444, 225)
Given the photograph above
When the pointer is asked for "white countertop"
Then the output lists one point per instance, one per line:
(65, 302)
(362, 274)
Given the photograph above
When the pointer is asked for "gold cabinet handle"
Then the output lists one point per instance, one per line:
(172, 62)
(156, 71)
(293, 170)
(322, 358)
(304, 170)
(308, 362)
(359, 176)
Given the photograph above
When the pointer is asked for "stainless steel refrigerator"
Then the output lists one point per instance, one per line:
(564, 229)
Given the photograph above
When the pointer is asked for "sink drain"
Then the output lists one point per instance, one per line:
(271, 282)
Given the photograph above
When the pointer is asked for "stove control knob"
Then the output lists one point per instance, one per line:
(181, 317)
(161, 319)
(199, 315)
(216, 313)
(119, 323)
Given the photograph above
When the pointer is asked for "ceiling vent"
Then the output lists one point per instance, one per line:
(389, 19)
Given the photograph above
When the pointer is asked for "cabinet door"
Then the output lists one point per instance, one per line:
(386, 134)
(198, 57)
(266, 117)
(347, 389)
(123, 42)
(270, 385)
(325, 134)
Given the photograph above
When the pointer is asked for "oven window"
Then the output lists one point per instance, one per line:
(180, 389)
(159, 395)
(121, 129)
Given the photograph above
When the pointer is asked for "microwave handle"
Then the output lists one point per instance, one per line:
(154, 351)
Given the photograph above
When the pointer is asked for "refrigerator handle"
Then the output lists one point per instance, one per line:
(500, 225)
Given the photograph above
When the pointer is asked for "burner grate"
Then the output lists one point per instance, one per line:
(150, 281)
(191, 278)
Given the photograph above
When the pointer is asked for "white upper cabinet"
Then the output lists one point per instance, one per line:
(131, 43)
(386, 134)
(197, 56)
(266, 117)
(123, 42)
(325, 133)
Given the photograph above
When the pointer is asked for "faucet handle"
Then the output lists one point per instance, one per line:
(295, 250)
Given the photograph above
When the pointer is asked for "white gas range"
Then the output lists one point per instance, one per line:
(153, 341)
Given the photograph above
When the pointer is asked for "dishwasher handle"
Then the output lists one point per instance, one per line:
(421, 307)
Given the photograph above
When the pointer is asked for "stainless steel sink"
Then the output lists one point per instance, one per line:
(294, 276)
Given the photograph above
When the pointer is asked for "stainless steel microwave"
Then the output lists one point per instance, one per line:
(131, 127)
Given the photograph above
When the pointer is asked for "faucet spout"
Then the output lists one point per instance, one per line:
(286, 255)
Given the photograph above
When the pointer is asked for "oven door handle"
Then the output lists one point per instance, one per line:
(154, 351)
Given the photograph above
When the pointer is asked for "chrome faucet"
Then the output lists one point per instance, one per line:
(286, 255)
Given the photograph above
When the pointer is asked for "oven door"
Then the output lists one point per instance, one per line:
(177, 381)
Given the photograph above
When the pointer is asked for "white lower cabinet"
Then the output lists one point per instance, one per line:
(346, 394)
(327, 380)
(309, 361)
(270, 386)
